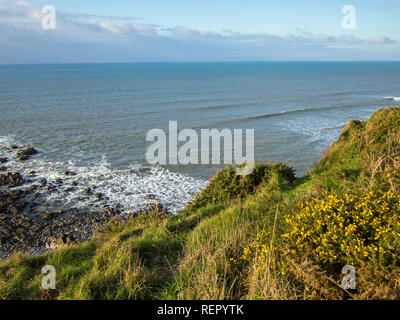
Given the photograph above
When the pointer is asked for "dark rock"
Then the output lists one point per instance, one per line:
(27, 152)
(3, 168)
(74, 183)
(70, 173)
(99, 196)
(157, 207)
(59, 181)
(48, 216)
(13, 202)
(13, 147)
(17, 193)
(11, 179)
(23, 158)
(43, 182)
(3, 160)
(33, 187)
(88, 191)
(110, 212)
(18, 232)
(51, 188)
(13, 209)
(150, 196)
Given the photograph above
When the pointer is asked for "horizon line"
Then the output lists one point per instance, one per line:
(194, 61)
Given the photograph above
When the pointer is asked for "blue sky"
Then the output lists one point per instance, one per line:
(187, 30)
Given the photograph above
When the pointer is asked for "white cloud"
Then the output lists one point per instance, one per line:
(326, 38)
(380, 40)
(116, 28)
(85, 16)
(120, 38)
(350, 39)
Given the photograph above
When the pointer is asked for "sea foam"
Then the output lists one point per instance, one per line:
(127, 189)
(393, 98)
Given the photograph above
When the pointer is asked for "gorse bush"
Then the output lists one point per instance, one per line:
(259, 254)
(347, 229)
(227, 185)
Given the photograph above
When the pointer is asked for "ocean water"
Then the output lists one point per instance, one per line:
(93, 118)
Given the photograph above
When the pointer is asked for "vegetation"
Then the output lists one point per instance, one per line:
(265, 236)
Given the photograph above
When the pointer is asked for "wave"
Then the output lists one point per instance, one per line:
(278, 114)
(339, 126)
(392, 98)
(289, 112)
(127, 189)
(343, 93)
(225, 106)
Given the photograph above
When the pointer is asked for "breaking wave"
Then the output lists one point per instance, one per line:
(392, 98)
(130, 190)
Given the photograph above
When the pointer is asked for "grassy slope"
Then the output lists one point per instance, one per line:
(228, 243)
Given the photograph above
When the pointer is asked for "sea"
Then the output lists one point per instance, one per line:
(93, 119)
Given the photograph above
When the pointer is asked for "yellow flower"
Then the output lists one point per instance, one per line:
(345, 227)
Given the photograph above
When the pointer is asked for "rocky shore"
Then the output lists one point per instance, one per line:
(28, 226)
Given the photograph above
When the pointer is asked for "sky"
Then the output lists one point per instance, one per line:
(95, 31)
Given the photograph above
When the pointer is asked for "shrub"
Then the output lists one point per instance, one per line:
(346, 229)
(227, 185)
(257, 251)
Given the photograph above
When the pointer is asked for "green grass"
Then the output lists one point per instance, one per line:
(228, 243)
